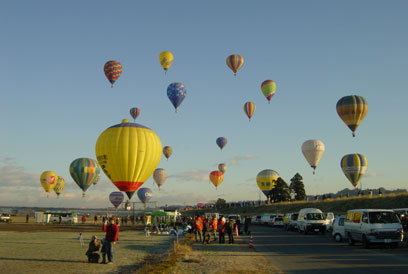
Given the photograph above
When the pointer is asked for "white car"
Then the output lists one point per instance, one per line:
(339, 233)
(278, 221)
(266, 219)
(329, 221)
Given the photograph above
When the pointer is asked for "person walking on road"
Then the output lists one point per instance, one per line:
(111, 237)
(221, 230)
(198, 225)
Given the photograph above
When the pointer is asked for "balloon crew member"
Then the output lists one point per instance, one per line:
(247, 223)
(230, 230)
(206, 230)
(214, 226)
(111, 237)
(221, 230)
(93, 250)
(198, 225)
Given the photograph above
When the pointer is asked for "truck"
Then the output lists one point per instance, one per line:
(5, 218)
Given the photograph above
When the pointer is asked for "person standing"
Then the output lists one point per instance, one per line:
(27, 217)
(111, 237)
(247, 223)
(230, 230)
(95, 220)
(198, 225)
(221, 230)
(214, 225)
(206, 230)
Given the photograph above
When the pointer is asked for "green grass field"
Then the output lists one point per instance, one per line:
(61, 252)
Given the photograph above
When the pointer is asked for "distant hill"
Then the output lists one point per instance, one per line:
(356, 192)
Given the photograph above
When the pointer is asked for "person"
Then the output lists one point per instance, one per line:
(83, 219)
(221, 230)
(247, 223)
(214, 225)
(230, 230)
(198, 225)
(103, 251)
(60, 219)
(206, 230)
(111, 237)
(93, 250)
(237, 227)
(95, 219)
(27, 217)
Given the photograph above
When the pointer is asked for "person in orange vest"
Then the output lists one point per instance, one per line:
(221, 230)
(198, 225)
(214, 225)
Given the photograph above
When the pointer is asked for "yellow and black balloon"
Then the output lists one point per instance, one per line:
(352, 110)
(128, 153)
(266, 180)
(166, 59)
(354, 167)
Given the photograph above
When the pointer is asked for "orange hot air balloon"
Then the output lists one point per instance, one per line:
(216, 177)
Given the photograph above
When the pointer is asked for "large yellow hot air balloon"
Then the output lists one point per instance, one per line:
(216, 177)
(128, 153)
(166, 59)
(266, 180)
(48, 180)
(352, 110)
(59, 186)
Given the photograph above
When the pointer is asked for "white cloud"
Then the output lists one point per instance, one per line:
(372, 175)
(194, 174)
(237, 159)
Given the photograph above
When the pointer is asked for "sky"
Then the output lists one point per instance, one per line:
(55, 99)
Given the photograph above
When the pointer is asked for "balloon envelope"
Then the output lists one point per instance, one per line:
(354, 167)
(221, 142)
(167, 151)
(144, 194)
(235, 62)
(313, 151)
(48, 180)
(268, 88)
(216, 177)
(128, 153)
(59, 186)
(112, 70)
(160, 176)
(352, 110)
(249, 109)
(134, 112)
(222, 167)
(266, 180)
(176, 93)
(166, 59)
(116, 198)
(84, 171)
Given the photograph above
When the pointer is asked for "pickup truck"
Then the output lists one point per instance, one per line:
(6, 218)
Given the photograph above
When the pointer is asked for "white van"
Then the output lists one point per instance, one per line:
(373, 226)
(266, 219)
(311, 220)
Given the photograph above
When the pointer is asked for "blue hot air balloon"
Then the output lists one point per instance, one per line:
(144, 194)
(221, 142)
(176, 93)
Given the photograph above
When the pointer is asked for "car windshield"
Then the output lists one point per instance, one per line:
(383, 217)
(294, 216)
(314, 216)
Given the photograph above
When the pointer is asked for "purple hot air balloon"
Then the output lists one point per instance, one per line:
(176, 93)
(144, 194)
(221, 142)
(116, 198)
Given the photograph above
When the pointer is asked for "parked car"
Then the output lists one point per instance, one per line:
(291, 221)
(311, 220)
(338, 232)
(4, 217)
(266, 219)
(277, 221)
(256, 219)
(329, 220)
(371, 226)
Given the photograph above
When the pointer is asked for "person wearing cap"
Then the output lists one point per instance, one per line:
(111, 237)
(93, 250)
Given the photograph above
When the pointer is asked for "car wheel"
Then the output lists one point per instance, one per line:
(350, 239)
(338, 238)
(366, 243)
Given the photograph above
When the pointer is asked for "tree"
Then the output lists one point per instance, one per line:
(220, 203)
(281, 191)
(297, 186)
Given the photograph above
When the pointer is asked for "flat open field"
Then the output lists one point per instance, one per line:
(56, 249)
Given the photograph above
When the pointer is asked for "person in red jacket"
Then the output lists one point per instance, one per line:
(198, 225)
(221, 230)
(214, 225)
(111, 237)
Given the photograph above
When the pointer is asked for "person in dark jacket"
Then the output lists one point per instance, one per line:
(230, 230)
(206, 231)
(93, 250)
(111, 237)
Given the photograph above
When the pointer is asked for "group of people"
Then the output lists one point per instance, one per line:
(105, 245)
(207, 227)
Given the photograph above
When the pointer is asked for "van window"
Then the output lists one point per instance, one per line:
(383, 217)
(364, 219)
(314, 216)
(341, 222)
(294, 216)
(357, 217)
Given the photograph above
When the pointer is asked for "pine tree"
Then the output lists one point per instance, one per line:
(297, 186)
(281, 191)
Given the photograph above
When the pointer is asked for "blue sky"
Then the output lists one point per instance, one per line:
(55, 99)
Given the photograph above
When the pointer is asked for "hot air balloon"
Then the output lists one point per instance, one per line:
(166, 58)
(160, 176)
(144, 194)
(313, 150)
(249, 109)
(221, 142)
(59, 186)
(266, 180)
(112, 70)
(116, 198)
(222, 167)
(128, 154)
(84, 171)
(354, 167)
(235, 62)
(48, 180)
(216, 177)
(134, 112)
(167, 151)
(268, 88)
(176, 93)
(352, 110)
